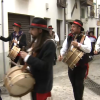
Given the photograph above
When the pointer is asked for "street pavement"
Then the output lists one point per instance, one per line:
(62, 89)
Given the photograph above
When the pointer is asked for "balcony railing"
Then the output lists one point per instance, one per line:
(86, 2)
(61, 3)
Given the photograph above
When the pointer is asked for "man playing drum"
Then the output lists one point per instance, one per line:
(78, 74)
(41, 59)
(17, 38)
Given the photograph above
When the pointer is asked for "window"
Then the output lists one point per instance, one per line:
(82, 13)
(61, 3)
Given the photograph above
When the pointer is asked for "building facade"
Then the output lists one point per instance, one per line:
(24, 11)
(92, 19)
(78, 9)
(58, 13)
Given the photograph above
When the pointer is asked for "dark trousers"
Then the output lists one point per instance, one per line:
(76, 77)
(33, 96)
(0, 95)
(92, 51)
(0, 98)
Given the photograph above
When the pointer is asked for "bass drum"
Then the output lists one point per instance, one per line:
(18, 83)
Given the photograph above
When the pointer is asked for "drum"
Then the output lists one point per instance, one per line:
(72, 57)
(14, 52)
(18, 83)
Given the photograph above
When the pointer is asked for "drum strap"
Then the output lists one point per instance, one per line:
(82, 39)
(17, 44)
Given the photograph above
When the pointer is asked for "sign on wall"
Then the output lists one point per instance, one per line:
(98, 23)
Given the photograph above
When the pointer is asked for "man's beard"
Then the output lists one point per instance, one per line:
(34, 37)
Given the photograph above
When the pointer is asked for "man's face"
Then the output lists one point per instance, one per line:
(35, 32)
(50, 31)
(91, 34)
(75, 29)
(15, 28)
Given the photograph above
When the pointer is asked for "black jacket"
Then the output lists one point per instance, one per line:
(22, 41)
(42, 67)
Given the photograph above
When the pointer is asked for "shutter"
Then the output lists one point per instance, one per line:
(25, 22)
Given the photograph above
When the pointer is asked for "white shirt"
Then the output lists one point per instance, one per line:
(92, 39)
(86, 47)
(97, 46)
(56, 37)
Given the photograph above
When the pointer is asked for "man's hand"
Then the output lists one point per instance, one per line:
(14, 41)
(95, 52)
(23, 54)
(74, 43)
(60, 58)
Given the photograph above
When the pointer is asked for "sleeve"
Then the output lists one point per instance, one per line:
(97, 46)
(56, 37)
(22, 41)
(64, 48)
(47, 58)
(86, 47)
(6, 39)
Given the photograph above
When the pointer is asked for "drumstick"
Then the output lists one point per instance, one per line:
(24, 67)
(14, 63)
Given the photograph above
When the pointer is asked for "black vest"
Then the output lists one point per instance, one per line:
(85, 58)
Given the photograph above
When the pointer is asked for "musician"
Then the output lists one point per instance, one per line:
(93, 40)
(41, 59)
(97, 46)
(78, 74)
(17, 38)
(55, 39)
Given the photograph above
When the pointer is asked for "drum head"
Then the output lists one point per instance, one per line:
(22, 87)
(13, 69)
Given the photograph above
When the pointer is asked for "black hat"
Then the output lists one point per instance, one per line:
(50, 27)
(39, 23)
(17, 25)
(79, 23)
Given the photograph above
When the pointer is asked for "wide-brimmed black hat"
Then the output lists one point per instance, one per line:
(39, 23)
(50, 27)
(17, 25)
(79, 23)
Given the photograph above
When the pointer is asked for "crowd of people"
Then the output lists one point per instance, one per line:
(41, 55)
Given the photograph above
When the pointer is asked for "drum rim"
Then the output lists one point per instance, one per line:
(11, 52)
(7, 86)
(15, 68)
(23, 93)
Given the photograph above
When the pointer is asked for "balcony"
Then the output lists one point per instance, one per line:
(61, 3)
(86, 2)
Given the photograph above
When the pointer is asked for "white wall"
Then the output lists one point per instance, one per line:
(35, 8)
(91, 23)
(76, 14)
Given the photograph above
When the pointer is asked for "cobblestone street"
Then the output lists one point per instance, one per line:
(62, 89)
